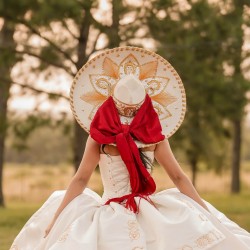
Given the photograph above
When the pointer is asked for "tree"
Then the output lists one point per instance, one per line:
(6, 63)
(204, 41)
(190, 38)
(67, 38)
(238, 85)
(8, 47)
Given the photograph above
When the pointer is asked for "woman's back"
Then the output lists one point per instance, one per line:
(115, 176)
(112, 150)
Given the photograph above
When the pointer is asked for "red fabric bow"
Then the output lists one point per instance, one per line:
(106, 128)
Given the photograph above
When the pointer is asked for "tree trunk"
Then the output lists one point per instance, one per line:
(80, 136)
(193, 164)
(114, 38)
(240, 93)
(6, 63)
(236, 149)
(4, 94)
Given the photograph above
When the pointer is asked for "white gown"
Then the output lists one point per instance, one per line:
(175, 222)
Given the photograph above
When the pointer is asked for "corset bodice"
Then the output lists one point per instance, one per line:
(115, 176)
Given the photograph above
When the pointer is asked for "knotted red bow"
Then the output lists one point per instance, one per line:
(106, 128)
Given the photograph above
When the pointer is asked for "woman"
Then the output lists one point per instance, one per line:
(129, 100)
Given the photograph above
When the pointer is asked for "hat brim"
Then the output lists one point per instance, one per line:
(95, 82)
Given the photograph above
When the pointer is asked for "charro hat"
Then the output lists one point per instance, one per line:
(96, 81)
(128, 95)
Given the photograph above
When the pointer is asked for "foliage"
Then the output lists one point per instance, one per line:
(66, 38)
(201, 43)
(246, 144)
(53, 43)
(49, 143)
(198, 39)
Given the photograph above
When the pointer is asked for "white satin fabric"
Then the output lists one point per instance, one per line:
(175, 222)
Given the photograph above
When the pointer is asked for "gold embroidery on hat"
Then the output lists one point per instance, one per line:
(104, 84)
(162, 113)
(114, 72)
(152, 86)
(128, 66)
(93, 98)
(128, 110)
(110, 68)
(148, 70)
(164, 99)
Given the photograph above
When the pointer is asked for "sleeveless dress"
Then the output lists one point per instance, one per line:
(172, 221)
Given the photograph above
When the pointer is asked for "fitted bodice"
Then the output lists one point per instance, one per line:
(115, 176)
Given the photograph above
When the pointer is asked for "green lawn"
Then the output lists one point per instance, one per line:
(236, 207)
(12, 220)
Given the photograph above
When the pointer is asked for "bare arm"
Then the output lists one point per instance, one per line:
(165, 158)
(80, 179)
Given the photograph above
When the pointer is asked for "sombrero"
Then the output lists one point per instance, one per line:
(95, 82)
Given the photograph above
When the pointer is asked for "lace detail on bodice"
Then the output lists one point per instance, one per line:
(115, 176)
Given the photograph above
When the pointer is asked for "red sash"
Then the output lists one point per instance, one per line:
(145, 127)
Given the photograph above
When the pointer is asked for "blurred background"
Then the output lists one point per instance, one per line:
(43, 43)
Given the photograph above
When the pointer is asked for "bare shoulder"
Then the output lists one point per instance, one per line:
(91, 142)
(91, 149)
(163, 153)
(89, 160)
(166, 158)
(162, 147)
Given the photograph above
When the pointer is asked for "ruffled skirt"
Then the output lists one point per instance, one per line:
(174, 222)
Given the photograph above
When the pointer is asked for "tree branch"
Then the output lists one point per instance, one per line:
(98, 25)
(39, 91)
(94, 45)
(35, 31)
(57, 65)
(67, 28)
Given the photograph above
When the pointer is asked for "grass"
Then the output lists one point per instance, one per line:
(236, 207)
(26, 188)
(12, 220)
